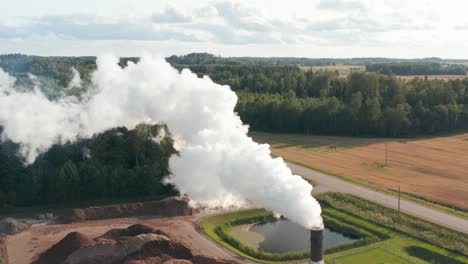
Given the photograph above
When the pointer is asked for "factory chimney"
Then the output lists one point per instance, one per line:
(316, 246)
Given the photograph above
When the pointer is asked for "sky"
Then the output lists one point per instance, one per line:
(293, 28)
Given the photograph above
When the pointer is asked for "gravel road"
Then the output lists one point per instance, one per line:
(327, 183)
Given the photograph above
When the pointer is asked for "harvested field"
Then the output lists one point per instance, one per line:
(343, 70)
(433, 168)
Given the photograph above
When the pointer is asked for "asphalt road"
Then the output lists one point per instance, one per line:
(327, 183)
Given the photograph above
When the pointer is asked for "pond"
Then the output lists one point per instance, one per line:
(285, 236)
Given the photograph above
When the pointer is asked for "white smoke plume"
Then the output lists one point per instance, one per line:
(76, 79)
(219, 165)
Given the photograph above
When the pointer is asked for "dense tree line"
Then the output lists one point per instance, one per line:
(363, 104)
(118, 163)
(417, 68)
(56, 68)
(206, 58)
(274, 97)
(280, 97)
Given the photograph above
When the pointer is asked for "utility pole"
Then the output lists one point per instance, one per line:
(386, 153)
(398, 203)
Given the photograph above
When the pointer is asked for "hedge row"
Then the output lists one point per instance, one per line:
(363, 238)
(403, 223)
(223, 231)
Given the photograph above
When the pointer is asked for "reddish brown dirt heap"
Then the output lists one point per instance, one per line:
(210, 260)
(170, 252)
(60, 251)
(169, 207)
(3, 252)
(169, 260)
(159, 248)
(11, 226)
(131, 231)
(137, 244)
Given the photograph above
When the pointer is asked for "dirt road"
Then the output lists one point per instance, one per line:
(329, 183)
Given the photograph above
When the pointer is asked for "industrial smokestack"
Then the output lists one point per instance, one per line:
(316, 246)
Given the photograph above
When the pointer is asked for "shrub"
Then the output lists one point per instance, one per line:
(403, 223)
(223, 231)
(430, 256)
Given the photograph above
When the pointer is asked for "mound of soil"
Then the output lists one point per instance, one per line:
(169, 207)
(60, 251)
(137, 244)
(209, 260)
(159, 248)
(11, 226)
(131, 231)
(111, 252)
(158, 260)
(168, 260)
(3, 252)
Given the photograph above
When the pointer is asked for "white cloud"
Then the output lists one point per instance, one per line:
(340, 5)
(170, 16)
(307, 23)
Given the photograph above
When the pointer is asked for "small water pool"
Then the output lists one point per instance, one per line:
(285, 236)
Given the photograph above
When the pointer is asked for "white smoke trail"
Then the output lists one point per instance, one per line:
(76, 79)
(219, 164)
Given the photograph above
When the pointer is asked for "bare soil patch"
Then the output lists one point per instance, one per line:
(172, 206)
(25, 247)
(135, 233)
(3, 251)
(433, 168)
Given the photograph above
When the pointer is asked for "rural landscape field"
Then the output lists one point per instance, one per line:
(433, 168)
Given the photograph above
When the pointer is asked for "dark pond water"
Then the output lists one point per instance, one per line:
(284, 236)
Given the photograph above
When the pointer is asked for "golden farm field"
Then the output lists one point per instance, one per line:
(343, 70)
(432, 168)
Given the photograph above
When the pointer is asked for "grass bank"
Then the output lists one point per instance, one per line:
(336, 203)
(211, 223)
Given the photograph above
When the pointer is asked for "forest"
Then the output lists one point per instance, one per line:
(417, 68)
(273, 97)
(118, 163)
(287, 99)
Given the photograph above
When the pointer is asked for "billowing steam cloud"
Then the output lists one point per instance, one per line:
(219, 164)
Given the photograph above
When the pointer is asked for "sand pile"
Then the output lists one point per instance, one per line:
(137, 244)
(160, 248)
(60, 251)
(3, 252)
(131, 231)
(159, 260)
(11, 226)
(165, 259)
(111, 252)
(169, 207)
